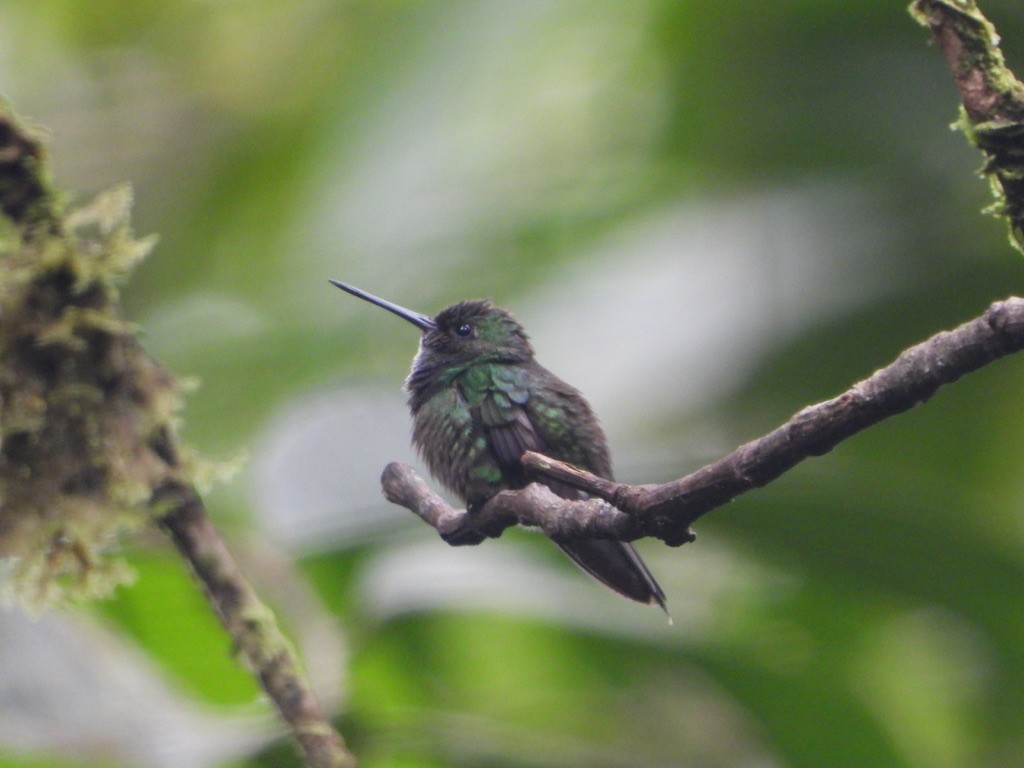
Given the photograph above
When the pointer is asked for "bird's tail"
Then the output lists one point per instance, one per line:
(617, 565)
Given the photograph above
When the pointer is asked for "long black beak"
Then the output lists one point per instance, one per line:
(423, 322)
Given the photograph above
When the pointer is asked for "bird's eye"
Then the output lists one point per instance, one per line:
(464, 330)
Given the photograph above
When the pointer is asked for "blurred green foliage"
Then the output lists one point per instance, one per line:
(863, 610)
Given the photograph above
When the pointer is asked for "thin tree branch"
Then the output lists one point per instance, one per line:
(993, 99)
(666, 511)
(535, 505)
(970, 43)
(251, 625)
(88, 445)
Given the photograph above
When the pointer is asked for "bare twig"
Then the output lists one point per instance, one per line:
(667, 510)
(251, 625)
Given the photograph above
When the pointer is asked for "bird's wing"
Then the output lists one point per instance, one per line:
(514, 423)
(510, 432)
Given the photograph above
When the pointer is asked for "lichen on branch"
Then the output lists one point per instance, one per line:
(992, 100)
(88, 445)
(87, 417)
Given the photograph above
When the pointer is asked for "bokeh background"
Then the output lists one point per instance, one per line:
(707, 214)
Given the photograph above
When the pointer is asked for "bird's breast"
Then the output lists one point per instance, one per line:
(454, 447)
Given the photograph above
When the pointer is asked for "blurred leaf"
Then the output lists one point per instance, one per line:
(166, 614)
(26, 761)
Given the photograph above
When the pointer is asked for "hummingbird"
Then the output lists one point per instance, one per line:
(479, 400)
